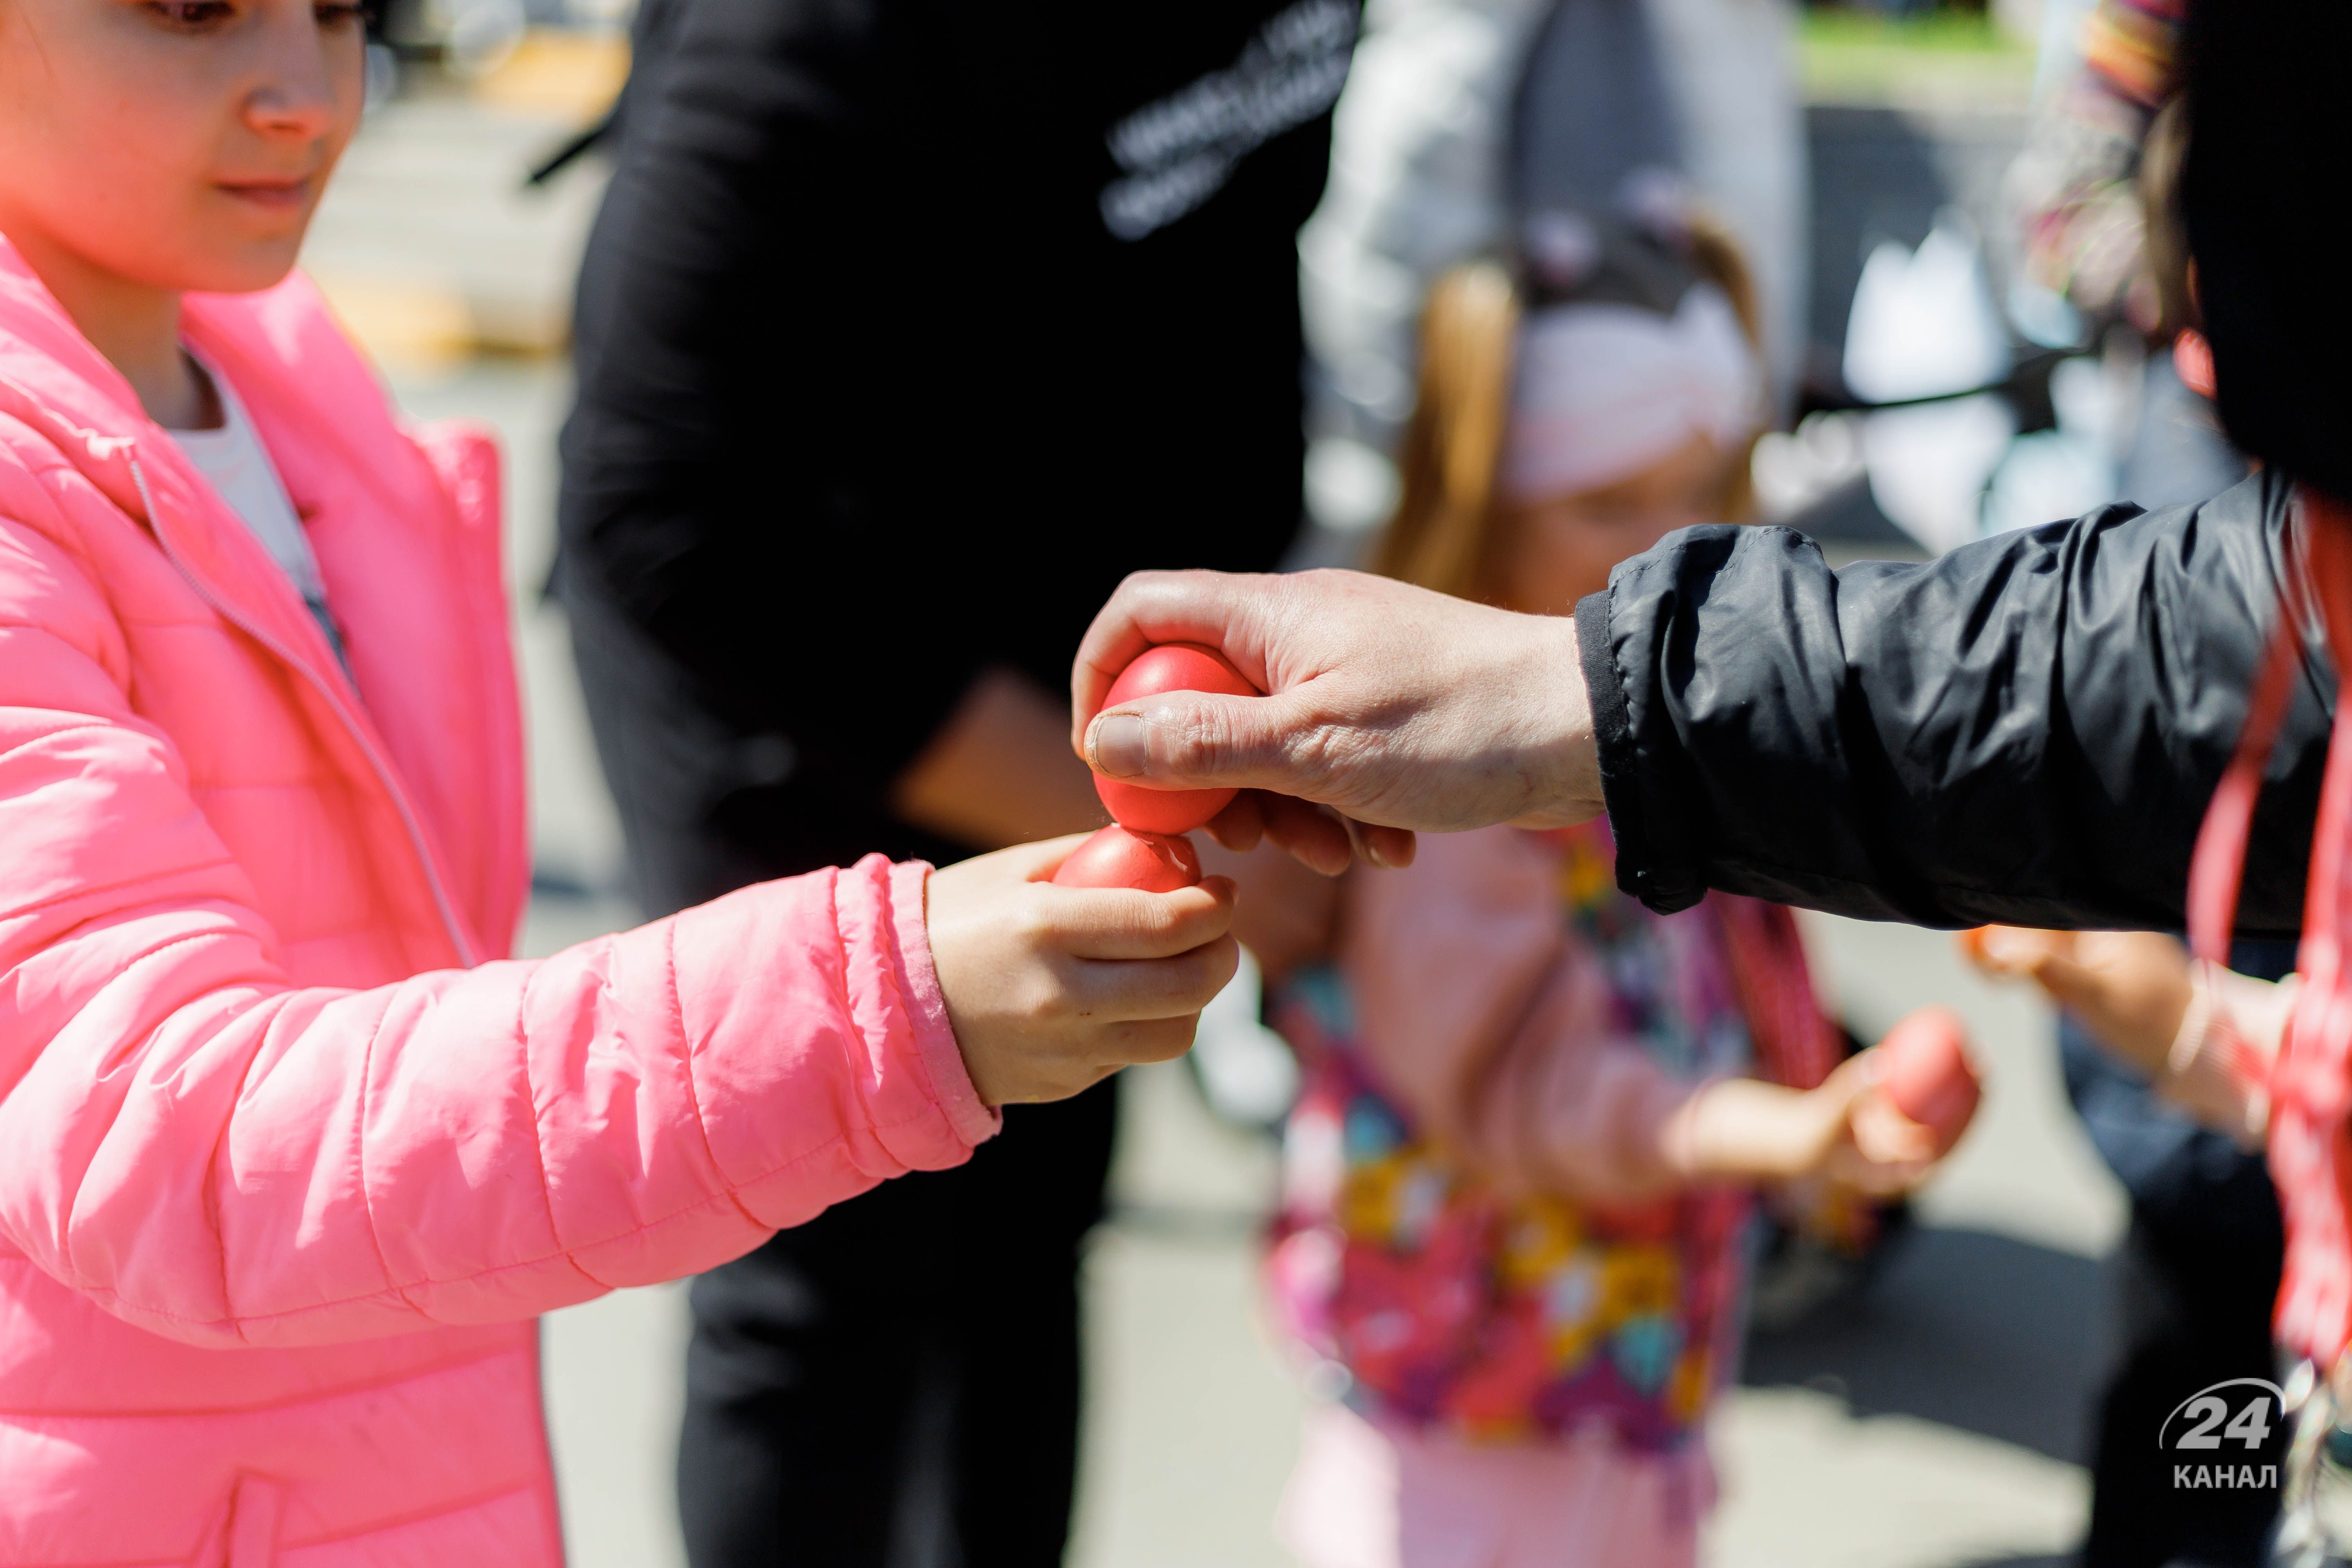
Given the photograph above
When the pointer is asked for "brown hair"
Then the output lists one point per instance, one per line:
(2163, 153)
(1442, 533)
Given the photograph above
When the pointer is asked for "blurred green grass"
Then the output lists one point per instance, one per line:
(1946, 56)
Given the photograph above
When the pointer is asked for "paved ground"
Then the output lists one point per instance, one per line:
(1934, 1424)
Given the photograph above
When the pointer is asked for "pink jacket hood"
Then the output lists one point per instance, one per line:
(289, 1154)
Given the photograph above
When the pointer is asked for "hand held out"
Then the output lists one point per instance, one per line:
(1926, 1072)
(1050, 989)
(1388, 710)
(2129, 988)
(1917, 1091)
(1879, 1123)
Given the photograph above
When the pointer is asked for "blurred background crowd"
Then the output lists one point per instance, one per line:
(1966, 306)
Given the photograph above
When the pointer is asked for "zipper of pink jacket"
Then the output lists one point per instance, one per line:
(385, 775)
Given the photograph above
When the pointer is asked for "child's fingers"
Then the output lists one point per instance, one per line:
(1880, 1179)
(1828, 1112)
(1118, 1046)
(1150, 989)
(1851, 1079)
(1882, 1135)
(1151, 1040)
(1120, 923)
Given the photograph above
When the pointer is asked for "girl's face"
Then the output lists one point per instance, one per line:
(1555, 550)
(175, 144)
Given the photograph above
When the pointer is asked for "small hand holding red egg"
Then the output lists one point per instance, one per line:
(1927, 1071)
(1899, 1107)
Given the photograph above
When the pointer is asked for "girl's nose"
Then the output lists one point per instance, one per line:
(299, 92)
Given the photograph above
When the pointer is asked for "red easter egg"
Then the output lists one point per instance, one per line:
(1114, 857)
(1170, 667)
(1928, 1074)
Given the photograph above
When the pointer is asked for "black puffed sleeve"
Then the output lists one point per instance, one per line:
(2026, 729)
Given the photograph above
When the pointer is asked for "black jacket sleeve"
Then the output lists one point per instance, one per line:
(2027, 730)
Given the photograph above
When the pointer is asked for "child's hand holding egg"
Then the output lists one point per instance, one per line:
(1924, 1088)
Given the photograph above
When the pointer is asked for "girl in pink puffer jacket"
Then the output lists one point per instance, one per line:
(289, 1154)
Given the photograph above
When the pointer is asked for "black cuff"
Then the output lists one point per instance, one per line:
(1662, 888)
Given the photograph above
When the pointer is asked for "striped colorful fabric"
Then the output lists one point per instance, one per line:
(2076, 187)
(2135, 45)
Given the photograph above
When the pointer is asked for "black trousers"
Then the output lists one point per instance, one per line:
(895, 1384)
(2192, 1315)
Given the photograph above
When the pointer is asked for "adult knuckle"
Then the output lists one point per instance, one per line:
(1321, 748)
(1207, 743)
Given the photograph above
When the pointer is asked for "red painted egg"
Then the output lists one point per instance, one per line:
(1928, 1074)
(1114, 857)
(1170, 667)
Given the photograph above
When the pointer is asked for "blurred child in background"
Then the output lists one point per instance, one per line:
(1515, 1191)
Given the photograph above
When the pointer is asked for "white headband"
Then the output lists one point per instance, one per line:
(1602, 392)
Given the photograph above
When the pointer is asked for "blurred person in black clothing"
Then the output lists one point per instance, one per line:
(2197, 1272)
(2194, 1280)
(973, 307)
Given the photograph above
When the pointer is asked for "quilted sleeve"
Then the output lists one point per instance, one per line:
(213, 1154)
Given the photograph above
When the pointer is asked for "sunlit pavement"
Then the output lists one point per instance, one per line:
(1934, 1423)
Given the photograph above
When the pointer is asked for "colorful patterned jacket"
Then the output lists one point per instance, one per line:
(1478, 1227)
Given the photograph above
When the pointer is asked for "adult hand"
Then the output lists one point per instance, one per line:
(1398, 709)
(1284, 914)
(2129, 988)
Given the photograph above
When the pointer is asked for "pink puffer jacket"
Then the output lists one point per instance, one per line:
(287, 1162)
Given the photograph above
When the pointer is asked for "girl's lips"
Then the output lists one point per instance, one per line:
(273, 194)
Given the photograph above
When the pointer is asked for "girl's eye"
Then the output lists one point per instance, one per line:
(191, 13)
(341, 16)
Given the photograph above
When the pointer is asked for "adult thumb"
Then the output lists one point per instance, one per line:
(1197, 740)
